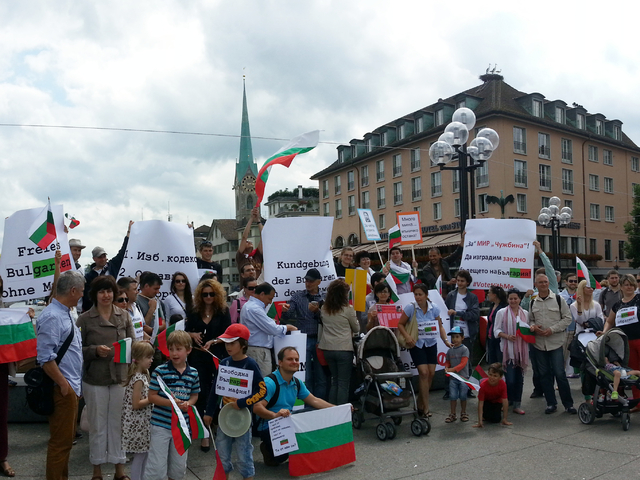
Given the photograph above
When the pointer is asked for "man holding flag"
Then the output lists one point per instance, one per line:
(400, 271)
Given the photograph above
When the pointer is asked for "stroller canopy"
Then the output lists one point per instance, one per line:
(615, 339)
(376, 339)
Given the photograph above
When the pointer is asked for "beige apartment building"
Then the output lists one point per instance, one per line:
(547, 148)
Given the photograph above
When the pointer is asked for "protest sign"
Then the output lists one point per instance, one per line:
(160, 247)
(369, 224)
(283, 436)
(234, 382)
(299, 341)
(27, 270)
(388, 315)
(291, 247)
(499, 252)
(409, 223)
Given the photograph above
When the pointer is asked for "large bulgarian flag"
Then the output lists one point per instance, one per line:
(395, 236)
(122, 350)
(17, 337)
(179, 427)
(43, 230)
(296, 146)
(325, 440)
(584, 274)
(399, 274)
(161, 339)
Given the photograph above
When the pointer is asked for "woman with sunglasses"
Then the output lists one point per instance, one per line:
(207, 321)
(248, 289)
(180, 300)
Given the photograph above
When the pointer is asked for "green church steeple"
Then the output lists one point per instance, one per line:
(245, 159)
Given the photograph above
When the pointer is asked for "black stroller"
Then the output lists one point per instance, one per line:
(378, 358)
(600, 382)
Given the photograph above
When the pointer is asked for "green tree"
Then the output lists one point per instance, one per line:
(632, 229)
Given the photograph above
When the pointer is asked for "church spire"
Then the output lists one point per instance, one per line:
(245, 159)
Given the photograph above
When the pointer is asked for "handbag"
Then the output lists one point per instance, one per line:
(411, 328)
(40, 385)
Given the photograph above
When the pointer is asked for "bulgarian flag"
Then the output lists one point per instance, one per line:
(585, 274)
(17, 337)
(73, 222)
(392, 287)
(275, 311)
(399, 274)
(470, 384)
(325, 440)
(161, 339)
(479, 374)
(179, 427)
(395, 236)
(439, 285)
(43, 230)
(198, 430)
(524, 332)
(296, 146)
(122, 351)
(219, 472)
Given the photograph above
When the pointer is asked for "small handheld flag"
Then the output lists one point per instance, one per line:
(584, 274)
(43, 230)
(161, 339)
(122, 351)
(395, 236)
(524, 332)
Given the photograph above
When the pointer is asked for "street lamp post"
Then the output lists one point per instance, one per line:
(452, 145)
(554, 218)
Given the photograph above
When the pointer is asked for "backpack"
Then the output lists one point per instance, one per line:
(272, 401)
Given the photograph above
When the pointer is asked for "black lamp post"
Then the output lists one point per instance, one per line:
(554, 218)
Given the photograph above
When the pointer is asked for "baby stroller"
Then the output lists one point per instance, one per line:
(378, 360)
(600, 382)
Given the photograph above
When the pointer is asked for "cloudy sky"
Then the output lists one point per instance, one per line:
(344, 67)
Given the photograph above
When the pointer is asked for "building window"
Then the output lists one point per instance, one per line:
(364, 176)
(607, 157)
(608, 185)
(593, 246)
(420, 124)
(594, 211)
(416, 188)
(385, 137)
(397, 193)
(599, 127)
(456, 181)
(325, 189)
(401, 131)
(537, 109)
(340, 156)
(456, 207)
(483, 206)
(351, 182)
(351, 200)
(380, 170)
(397, 165)
(545, 202)
(545, 177)
(436, 184)
(580, 121)
(593, 153)
(437, 211)
(482, 175)
(520, 173)
(365, 199)
(381, 220)
(380, 196)
(621, 256)
(418, 209)
(607, 250)
(568, 203)
(594, 182)
(339, 208)
(521, 203)
(567, 181)
(635, 164)
(439, 117)
(560, 116)
(520, 140)
(567, 151)
(339, 243)
(609, 215)
(368, 144)
(544, 145)
(337, 185)
(415, 159)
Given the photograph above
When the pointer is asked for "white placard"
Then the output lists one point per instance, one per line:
(458, 322)
(283, 436)
(27, 270)
(138, 327)
(299, 341)
(499, 252)
(369, 224)
(234, 382)
(160, 247)
(626, 316)
(409, 223)
(294, 245)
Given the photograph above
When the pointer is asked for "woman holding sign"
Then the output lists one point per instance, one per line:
(382, 295)
(424, 349)
(624, 315)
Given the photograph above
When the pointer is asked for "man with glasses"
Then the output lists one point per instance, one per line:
(304, 310)
(249, 285)
(204, 261)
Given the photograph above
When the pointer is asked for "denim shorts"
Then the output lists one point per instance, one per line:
(458, 390)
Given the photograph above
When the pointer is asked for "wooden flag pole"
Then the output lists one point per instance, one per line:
(379, 255)
(413, 259)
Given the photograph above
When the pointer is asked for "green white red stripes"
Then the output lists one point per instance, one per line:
(472, 385)
(122, 351)
(524, 331)
(395, 236)
(478, 373)
(325, 441)
(198, 430)
(392, 287)
(43, 230)
(161, 339)
(296, 146)
(179, 427)
(439, 285)
(17, 337)
(275, 311)
(584, 274)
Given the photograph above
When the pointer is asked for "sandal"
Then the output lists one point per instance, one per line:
(451, 418)
(464, 417)
(7, 471)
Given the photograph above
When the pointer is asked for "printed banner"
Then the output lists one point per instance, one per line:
(499, 252)
(410, 230)
(234, 382)
(369, 224)
(283, 436)
(297, 340)
(294, 245)
(163, 248)
(27, 270)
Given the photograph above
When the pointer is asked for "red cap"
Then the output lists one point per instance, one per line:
(234, 332)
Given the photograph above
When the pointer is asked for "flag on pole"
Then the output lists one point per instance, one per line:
(524, 332)
(357, 280)
(161, 339)
(584, 274)
(472, 385)
(395, 236)
(439, 285)
(219, 472)
(73, 223)
(392, 287)
(43, 230)
(198, 430)
(179, 427)
(325, 440)
(17, 337)
(296, 146)
(122, 351)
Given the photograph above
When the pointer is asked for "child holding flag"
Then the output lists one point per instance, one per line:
(183, 385)
(136, 409)
(458, 362)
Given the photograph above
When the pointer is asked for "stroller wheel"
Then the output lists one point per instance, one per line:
(357, 419)
(426, 425)
(416, 427)
(381, 432)
(391, 430)
(397, 420)
(626, 421)
(587, 413)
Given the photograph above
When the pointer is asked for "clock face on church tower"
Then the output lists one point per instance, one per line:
(248, 184)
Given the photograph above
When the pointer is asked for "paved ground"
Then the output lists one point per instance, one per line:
(537, 447)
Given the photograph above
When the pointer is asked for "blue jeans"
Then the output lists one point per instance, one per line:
(340, 364)
(550, 366)
(515, 381)
(315, 379)
(244, 450)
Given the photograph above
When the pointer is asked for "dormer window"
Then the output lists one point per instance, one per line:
(420, 124)
(340, 156)
(461, 104)
(385, 137)
(599, 127)
(401, 131)
(368, 144)
(560, 115)
(537, 109)
(580, 121)
(439, 117)
(617, 133)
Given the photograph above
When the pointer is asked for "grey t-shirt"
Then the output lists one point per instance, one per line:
(455, 355)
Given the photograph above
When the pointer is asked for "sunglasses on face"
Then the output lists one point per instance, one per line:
(572, 281)
(180, 280)
(122, 299)
(250, 288)
(208, 294)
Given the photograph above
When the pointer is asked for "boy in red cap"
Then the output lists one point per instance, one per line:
(236, 339)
